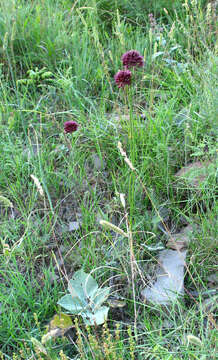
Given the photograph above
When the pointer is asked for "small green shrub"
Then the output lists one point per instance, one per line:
(86, 298)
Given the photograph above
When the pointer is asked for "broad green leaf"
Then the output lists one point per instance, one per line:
(62, 321)
(98, 318)
(100, 296)
(85, 299)
(83, 286)
(57, 327)
(74, 305)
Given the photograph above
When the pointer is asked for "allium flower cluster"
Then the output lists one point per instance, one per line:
(122, 78)
(70, 126)
(131, 58)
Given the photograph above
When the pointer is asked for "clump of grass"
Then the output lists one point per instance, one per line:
(166, 119)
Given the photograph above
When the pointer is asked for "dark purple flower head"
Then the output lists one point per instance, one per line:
(70, 126)
(132, 58)
(122, 78)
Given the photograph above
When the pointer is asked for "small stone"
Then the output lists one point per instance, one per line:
(170, 279)
(196, 173)
(74, 225)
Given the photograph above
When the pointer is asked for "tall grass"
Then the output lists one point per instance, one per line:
(58, 60)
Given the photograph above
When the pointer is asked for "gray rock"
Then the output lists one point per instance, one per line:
(170, 279)
(74, 225)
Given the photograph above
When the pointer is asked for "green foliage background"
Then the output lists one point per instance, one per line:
(58, 60)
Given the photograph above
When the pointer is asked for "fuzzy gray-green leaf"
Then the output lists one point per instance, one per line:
(101, 296)
(99, 317)
(82, 285)
(72, 304)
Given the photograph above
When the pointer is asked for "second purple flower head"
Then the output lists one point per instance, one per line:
(132, 58)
